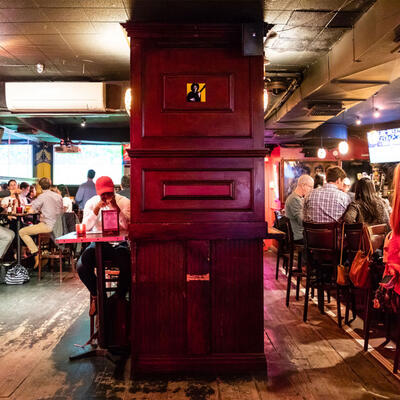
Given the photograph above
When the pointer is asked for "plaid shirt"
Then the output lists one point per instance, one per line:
(325, 204)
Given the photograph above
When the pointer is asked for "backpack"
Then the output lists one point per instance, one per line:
(16, 275)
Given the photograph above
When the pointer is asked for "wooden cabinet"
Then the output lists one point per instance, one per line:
(197, 200)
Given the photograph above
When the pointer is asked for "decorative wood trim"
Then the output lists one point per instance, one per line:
(229, 185)
(198, 231)
(168, 153)
(201, 76)
(225, 33)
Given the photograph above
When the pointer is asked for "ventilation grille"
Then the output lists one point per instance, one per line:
(328, 109)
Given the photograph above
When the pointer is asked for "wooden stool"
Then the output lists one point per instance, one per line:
(53, 252)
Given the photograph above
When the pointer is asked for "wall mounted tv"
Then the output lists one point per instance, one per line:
(384, 146)
(72, 168)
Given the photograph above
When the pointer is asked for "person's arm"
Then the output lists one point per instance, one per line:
(37, 204)
(124, 206)
(350, 216)
(297, 210)
(79, 196)
(90, 214)
(306, 216)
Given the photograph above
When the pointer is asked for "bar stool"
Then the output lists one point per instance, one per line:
(298, 274)
(352, 233)
(321, 245)
(47, 249)
(110, 278)
(283, 244)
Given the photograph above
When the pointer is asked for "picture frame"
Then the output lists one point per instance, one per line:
(110, 222)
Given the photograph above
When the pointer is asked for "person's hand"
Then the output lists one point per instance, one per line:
(99, 205)
(112, 203)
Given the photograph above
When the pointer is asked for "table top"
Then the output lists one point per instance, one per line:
(5, 214)
(274, 233)
(89, 237)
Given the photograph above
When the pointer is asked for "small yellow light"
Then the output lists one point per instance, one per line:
(343, 147)
(358, 121)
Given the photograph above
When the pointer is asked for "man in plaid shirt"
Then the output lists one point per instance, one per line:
(327, 203)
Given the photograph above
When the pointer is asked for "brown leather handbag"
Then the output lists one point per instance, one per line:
(359, 270)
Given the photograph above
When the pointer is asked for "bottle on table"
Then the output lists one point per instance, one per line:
(9, 207)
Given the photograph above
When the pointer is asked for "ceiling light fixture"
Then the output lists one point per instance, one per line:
(377, 113)
(343, 147)
(321, 153)
(39, 68)
(128, 101)
(358, 121)
(83, 122)
(266, 99)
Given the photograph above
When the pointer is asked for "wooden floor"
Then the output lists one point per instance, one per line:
(40, 322)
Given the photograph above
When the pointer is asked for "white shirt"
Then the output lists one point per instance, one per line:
(67, 204)
(50, 206)
(93, 221)
(5, 201)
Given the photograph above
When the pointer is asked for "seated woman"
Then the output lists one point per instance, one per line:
(367, 207)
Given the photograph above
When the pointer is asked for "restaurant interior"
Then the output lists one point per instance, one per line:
(208, 113)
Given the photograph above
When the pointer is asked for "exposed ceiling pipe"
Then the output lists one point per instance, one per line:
(363, 54)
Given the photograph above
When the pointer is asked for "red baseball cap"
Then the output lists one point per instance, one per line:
(104, 185)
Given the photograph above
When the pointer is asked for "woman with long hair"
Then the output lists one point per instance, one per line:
(367, 207)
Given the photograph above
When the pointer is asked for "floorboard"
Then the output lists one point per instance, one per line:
(41, 321)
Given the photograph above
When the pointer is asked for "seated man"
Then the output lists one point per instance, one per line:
(294, 206)
(105, 199)
(327, 203)
(50, 206)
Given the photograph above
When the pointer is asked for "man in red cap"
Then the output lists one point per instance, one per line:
(106, 199)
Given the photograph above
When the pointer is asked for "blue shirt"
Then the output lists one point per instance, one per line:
(85, 192)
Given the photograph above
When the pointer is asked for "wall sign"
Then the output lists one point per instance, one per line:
(196, 92)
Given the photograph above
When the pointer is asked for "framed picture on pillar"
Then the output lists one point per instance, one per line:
(196, 92)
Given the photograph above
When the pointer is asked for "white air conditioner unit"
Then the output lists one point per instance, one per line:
(56, 96)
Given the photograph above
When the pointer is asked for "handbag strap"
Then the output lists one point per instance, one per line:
(341, 244)
(366, 236)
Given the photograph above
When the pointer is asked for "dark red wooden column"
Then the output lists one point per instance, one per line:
(197, 201)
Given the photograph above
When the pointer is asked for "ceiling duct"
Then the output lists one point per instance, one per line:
(356, 67)
(325, 109)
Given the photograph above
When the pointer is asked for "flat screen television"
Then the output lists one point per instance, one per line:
(72, 168)
(16, 160)
(384, 146)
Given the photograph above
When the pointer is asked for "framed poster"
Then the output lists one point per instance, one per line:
(292, 169)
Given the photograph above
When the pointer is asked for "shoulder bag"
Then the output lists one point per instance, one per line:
(359, 271)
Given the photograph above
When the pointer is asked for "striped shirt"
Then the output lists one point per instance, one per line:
(325, 204)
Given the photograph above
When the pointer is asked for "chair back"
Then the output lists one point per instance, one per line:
(377, 234)
(279, 222)
(353, 233)
(289, 233)
(321, 243)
